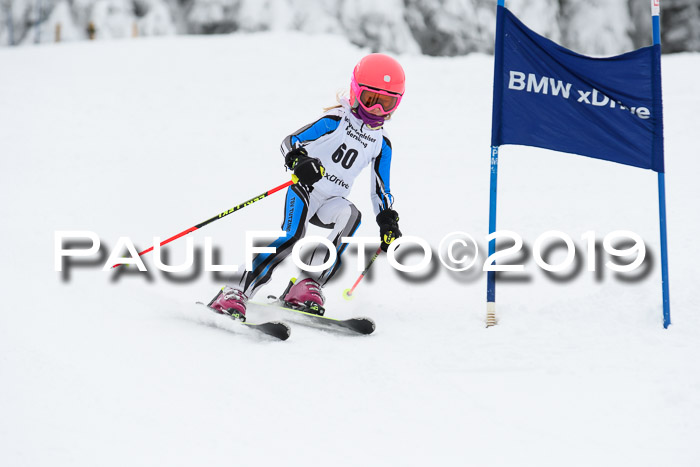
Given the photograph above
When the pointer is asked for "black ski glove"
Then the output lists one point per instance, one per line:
(307, 169)
(388, 221)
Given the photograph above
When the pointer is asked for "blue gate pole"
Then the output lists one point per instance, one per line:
(664, 251)
(493, 184)
(491, 275)
(656, 32)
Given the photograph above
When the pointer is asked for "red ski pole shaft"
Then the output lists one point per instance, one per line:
(223, 214)
(347, 294)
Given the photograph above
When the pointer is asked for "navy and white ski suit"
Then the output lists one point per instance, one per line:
(345, 145)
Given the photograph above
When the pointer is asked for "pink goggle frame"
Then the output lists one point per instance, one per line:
(385, 101)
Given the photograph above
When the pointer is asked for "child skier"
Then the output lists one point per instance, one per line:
(326, 156)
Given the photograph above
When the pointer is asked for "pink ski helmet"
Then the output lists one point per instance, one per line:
(378, 82)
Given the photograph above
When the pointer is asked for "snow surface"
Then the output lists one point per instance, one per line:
(148, 137)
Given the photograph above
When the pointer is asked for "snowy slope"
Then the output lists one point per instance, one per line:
(149, 137)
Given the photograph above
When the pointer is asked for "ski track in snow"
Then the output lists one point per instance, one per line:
(148, 137)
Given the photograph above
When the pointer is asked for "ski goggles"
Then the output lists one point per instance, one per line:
(371, 98)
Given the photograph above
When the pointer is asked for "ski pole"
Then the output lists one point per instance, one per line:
(347, 293)
(223, 214)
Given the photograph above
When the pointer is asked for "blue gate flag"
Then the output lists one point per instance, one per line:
(550, 97)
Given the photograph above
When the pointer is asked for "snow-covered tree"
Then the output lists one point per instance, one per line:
(596, 27)
(17, 18)
(155, 18)
(61, 16)
(542, 16)
(378, 25)
(113, 19)
(452, 27)
(434, 27)
(680, 25)
(212, 16)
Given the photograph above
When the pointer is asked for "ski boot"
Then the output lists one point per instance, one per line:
(230, 301)
(304, 295)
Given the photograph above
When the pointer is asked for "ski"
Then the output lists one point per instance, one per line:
(275, 329)
(360, 325)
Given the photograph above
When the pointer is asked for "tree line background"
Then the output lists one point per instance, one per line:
(432, 27)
